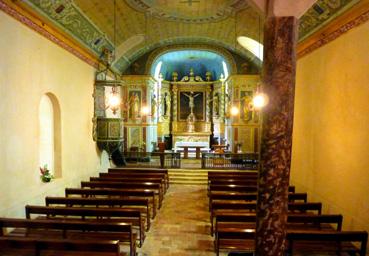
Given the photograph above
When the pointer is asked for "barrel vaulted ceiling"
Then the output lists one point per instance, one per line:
(143, 25)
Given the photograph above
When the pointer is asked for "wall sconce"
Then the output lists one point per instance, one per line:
(260, 99)
(145, 111)
(234, 111)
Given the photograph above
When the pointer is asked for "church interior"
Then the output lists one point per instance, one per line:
(195, 127)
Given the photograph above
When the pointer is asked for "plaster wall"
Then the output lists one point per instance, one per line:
(330, 157)
(30, 66)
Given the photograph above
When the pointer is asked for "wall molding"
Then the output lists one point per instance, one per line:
(43, 29)
(357, 15)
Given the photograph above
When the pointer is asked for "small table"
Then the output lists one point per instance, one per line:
(185, 151)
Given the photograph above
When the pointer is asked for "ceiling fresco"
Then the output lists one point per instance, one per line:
(189, 11)
(143, 25)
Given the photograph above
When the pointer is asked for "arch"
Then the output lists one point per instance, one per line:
(218, 50)
(50, 133)
(208, 43)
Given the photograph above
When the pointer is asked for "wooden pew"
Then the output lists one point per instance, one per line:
(142, 175)
(236, 220)
(327, 241)
(24, 246)
(229, 196)
(110, 214)
(139, 204)
(232, 173)
(224, 207)
(240, 188)
(111, 192)
(141, 170)
(160, 181)
(67, 229)
(139, 186)
(332, 242)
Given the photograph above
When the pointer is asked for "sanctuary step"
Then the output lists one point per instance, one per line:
(191, 176)
(188, 176)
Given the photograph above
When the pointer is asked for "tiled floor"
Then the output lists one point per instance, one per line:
(182, 224)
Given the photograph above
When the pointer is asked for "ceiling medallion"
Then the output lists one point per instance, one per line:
(189, 11)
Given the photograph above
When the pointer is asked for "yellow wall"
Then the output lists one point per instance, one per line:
(31, 66)
(331, 128)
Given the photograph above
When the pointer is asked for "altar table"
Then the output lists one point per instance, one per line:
(185, 151)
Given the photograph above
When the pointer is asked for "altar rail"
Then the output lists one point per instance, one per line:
(240, 161)
(154, 159)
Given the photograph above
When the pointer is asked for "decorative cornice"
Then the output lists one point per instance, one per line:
(21, 17)
(350, 20)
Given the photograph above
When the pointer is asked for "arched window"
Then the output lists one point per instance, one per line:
(50, 134)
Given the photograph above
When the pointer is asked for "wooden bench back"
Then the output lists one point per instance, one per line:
(306, 219)
(111, 202)
(113, 192)
(38, 245)
(81, 211)
(240, 188)
(334, 236)
(86, 212)
(128, 179)
(292, 197)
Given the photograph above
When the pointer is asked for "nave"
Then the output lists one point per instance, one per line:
(182, 226)
(134, 211)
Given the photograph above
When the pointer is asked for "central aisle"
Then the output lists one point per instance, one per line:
(182, 224)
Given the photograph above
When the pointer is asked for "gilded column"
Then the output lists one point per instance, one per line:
(279, 67)
(207, 102)
(222, 106)
(175, 103)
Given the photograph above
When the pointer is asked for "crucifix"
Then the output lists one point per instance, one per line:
(189, 2)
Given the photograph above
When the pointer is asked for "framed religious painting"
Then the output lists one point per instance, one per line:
(134, 104)
(191, 102)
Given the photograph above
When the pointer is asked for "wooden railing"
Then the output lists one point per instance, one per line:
(154, 159)
(240, 161)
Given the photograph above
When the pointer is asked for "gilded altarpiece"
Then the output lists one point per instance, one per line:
(191, 110)
(139, 93)
(242, 129)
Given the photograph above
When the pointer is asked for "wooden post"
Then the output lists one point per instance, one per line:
(279, 67)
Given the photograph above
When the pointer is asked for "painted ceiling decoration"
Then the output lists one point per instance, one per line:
(321, 13)
(143, 25)
(189, 11)
(69, 18)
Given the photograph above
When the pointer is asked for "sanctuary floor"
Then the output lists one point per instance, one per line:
(182, 225)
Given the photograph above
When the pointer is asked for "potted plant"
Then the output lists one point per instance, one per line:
(45, 176)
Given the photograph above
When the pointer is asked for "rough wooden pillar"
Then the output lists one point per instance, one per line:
(279, 67)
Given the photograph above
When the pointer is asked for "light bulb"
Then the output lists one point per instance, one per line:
(260, 100)
(114, 101)
(145, 110)
(234, 111)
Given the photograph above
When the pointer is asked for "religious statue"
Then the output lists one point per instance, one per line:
(134, 103)
(208, 76)
(166, 104)
(174, 76)
(191, 98)
(215, 104)
(247, 108)
(192, 73)
(153, 105)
